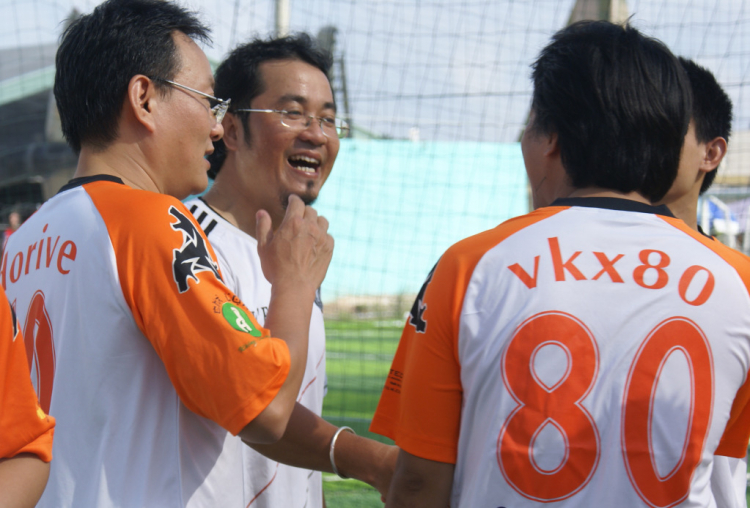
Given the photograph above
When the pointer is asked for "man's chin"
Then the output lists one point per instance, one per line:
(307, 198)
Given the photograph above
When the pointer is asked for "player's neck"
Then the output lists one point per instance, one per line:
(117, 161)
(686, 208)
(598, 192)
(223, 198)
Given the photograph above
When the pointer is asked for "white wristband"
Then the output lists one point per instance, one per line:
(333, 445)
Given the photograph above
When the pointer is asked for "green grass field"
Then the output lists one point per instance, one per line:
(359, 354)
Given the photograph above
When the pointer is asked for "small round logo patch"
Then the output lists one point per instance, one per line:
(238, 319)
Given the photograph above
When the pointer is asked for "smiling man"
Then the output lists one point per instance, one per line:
(146, 359)
(281, 139)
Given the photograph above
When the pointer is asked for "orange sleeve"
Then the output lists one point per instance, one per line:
(420, 407)
(223, 365)
(24, 428)
(385, 419)
(736, 435)
(431, 393)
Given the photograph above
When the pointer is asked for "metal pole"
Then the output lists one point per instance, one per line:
(234, 24)
(282, 18)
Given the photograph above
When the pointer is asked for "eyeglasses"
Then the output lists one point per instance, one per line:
(218, 111)
(300, 121)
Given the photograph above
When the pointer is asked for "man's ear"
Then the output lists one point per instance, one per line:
(716, 149)
(551, 149)
(234, 133)
(142, 99)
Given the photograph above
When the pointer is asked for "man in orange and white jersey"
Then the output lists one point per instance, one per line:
(25, 430)
(595, 351)
(704, 148)
(146, 359)
(281, 137)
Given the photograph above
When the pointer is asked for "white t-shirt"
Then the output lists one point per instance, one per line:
(267, 482)
(141, 350)
(591, 353)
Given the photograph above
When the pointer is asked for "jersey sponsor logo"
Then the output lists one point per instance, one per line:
(227, 297)
(394, 380)
(416, 318)
(192, 257)
(238, 319)
(36, 256)
(259, 313)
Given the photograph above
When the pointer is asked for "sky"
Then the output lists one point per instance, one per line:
(442, 70)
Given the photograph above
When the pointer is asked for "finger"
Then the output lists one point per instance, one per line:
(323, 224)
(263, 228)
(295, 207)
(311, 213)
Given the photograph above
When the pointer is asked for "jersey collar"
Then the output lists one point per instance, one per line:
(625, 205)
(77, 182)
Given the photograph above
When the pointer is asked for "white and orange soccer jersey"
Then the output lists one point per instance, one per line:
(268, 484)
(591, 353)
(24, 427)
(139, 350)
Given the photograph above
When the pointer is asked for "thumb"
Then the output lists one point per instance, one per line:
(263, 229)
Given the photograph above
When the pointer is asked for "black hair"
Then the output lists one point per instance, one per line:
(712, 110)
(100, 52)
(239, 78)
(619, 103)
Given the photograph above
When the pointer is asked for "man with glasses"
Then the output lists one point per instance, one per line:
(146, 359)
(281, 139)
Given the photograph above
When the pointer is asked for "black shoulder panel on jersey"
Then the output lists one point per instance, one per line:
(192, 257)
(417, 310)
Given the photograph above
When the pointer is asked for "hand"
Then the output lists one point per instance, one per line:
(298, 253)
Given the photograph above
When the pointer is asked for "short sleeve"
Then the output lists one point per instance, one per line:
(223, 365)
(24, 427)
(420, 407)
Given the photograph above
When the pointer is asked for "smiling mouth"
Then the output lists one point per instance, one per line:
(305, 164)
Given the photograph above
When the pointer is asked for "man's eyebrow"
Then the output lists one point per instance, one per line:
(293, 98)
(304, 101)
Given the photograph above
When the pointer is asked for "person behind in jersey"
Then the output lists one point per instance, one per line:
(146, 359)
(704, 148)
(705, 143)
(25, 430)
(593, 352)
(281, 137)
